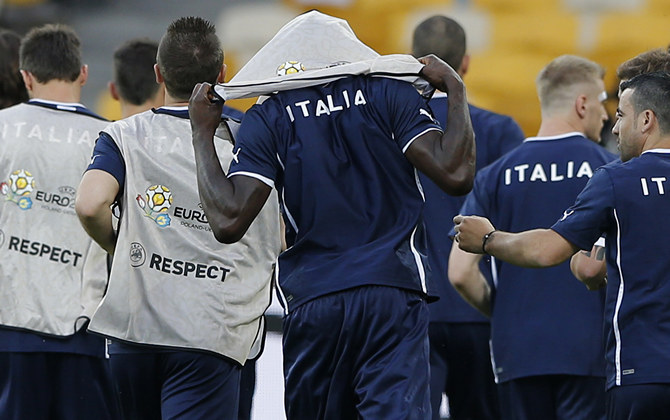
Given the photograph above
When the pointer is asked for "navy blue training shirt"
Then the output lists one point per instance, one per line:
(495, 135)
(335, 153)
(630, 203)
(543, 322)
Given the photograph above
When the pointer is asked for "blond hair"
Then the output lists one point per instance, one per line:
(559, 81)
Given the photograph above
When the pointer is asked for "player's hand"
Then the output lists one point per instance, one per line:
(204, 109)
(438, 73)
(470, 231)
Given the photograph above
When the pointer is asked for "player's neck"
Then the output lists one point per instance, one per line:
(128, 109)
(656, 142)
(57, 91)
(556, 126)
(171, 101)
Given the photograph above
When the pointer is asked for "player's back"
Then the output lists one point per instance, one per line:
(350, 196)
(541, 317)
(44, 149)
(165, 245)
(638, 290)
(495, 135)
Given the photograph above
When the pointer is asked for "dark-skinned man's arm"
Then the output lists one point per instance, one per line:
(231, 204)
(447, 159)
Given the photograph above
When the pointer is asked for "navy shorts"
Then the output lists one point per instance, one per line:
(639, 402)
(247, 389)
(460, 366)
(176, 385)
(358, 354)
(55, 386)
(559, 397)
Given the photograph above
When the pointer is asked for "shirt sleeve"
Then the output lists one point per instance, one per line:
(409, 114)
(107, 157)
(255, 153)
(587, 219)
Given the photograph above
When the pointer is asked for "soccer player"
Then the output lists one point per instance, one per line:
(136, 89)
(50, 367)
(12, 89)
(134, 82)
(589, 266)
(547, 353)
(354, 283)
(183, 311)
(460, 363)
(628, 202)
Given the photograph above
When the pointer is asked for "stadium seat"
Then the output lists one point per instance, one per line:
(547, 32)
(659, 7)
(512, 6)
(505, 82)
(621, 36)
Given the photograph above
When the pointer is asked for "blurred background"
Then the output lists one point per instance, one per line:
(509, 42)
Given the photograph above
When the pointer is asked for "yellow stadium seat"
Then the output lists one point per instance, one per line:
(507, 6)
(505, 82)
(623, 35)
(546, 32)
(374, 6)
(107, 106)
(632, 32)
(659, 7)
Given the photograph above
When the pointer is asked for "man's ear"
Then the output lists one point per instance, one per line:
(580, 106)
(647, 120)
(83, 75)
(159, 76)
(113, 90)
(222, 74)
(28, 80)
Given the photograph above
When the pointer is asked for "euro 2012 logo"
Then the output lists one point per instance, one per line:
(155, 203)
(20, 184)
(290, 67)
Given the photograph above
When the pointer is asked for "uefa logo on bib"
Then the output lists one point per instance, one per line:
(137, 254)
(155, 203)
(17, 189)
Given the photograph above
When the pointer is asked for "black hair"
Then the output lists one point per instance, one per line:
(134, 74)
(12, 88)
(651, 91)
(51, 52)
(189, 53)
(441, 36)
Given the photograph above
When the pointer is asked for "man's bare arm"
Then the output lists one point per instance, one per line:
(532, 248)
(447, 159)
(95, 195)
(232, 204)
(468, 280)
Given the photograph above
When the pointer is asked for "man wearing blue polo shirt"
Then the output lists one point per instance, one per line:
(540, 318)
(628, 202)
(354, 283)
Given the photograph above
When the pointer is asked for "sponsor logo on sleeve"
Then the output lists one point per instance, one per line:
(566, 213)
